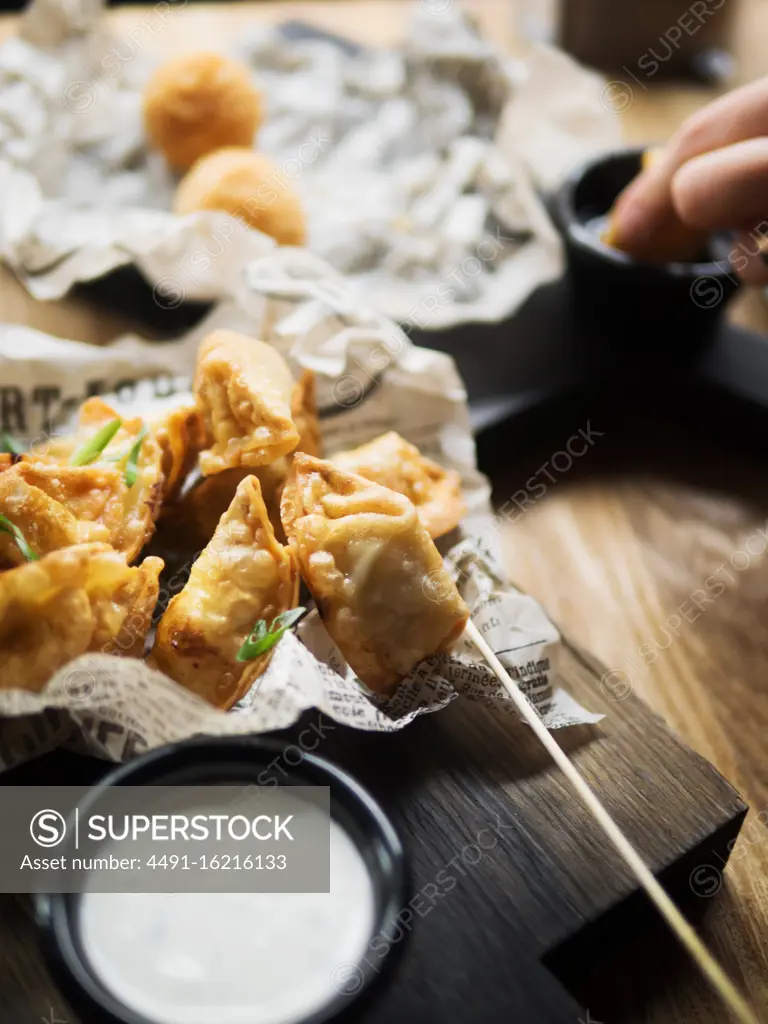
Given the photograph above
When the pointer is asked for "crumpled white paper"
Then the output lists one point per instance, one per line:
(371, 379)
(416, 165)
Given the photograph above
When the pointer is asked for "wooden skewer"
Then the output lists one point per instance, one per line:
(709, 967)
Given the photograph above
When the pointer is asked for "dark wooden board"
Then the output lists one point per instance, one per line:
(550, 893)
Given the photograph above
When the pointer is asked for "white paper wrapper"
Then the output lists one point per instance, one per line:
(371, 379)
(415, 165)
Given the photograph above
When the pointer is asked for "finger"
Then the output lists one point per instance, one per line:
(736, 116)
(749, 255)
(642, 209)
(646, 205)
(726, 188)
(644, 221)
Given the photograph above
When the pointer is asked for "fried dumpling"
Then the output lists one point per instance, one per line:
(191, 523)
(44, 522)
(79, 599)
(243, 391)
(93, 414)
(130, 464)
(198, 514)
(123, 621)
(304, 412)
(181, 436)
(391, 461)
(376, 576)
(272, 477)
(196, 517)
(92, 494)
(243, 575)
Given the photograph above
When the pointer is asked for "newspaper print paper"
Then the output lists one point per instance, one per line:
(371, 379)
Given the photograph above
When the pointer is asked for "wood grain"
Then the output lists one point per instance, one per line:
(633, 536)
(617, 546)
(501, 855)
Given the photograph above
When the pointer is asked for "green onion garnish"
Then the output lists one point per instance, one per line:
(6, 526)
(10, 444)
(132, 465)
(92, 449)
(260, 639)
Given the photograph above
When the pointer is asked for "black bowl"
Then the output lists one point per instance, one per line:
(608, 283)
(227, 760)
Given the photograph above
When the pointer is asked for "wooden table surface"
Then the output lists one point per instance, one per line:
(618, 546)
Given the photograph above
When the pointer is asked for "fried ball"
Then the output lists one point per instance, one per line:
(196, 104)
(246, 185)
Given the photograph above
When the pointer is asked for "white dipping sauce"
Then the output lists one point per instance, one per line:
(221, 958)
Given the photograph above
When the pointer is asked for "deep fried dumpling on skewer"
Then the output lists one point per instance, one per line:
(243, 391)
(79, 599)
(243, 576)
(378, 580)
(133, 454)
(391, 461)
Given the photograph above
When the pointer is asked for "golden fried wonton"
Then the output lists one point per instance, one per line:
(181, 436)
(391, 461)
(191, 522)
(304, 412)
(198, 513)
(243, 391)
(79, 599)
(123, 622)
(129, 511)
(92, 494)
(376, 576)
(242, 576)
(93, 414)
(272, 477)
(44, 522)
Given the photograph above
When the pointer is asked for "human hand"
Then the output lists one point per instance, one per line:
(712, 175)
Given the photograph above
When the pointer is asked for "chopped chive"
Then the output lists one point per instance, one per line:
(10, 444)
(94, 446)
(132, 465)
(6, 526)
(260, 639)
